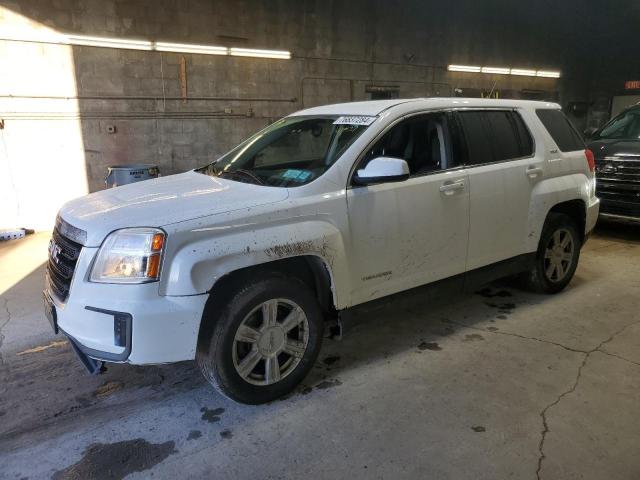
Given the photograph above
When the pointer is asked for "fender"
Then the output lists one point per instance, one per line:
(202, 255)
(548, 193)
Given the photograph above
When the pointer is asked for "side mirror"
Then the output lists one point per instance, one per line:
(588, 132)
(382, 170)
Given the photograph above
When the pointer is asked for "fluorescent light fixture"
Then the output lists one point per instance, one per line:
(108, 42)
(464, 68)
(252, 52)
(503, 71)
(189, 48)
(548, 74)
(500, 70)
(523, 72)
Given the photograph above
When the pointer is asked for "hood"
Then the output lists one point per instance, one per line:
(608, 147)
(162, 201)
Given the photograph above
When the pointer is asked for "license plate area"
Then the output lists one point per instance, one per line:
(50, 312)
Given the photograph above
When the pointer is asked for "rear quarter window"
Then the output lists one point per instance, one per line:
(561, 130)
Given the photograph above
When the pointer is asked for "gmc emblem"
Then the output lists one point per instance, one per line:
(54, 251)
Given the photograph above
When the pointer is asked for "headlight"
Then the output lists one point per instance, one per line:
(131, 255)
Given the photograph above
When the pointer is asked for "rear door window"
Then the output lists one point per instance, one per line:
(477, 138)
(504, 139)
(495, 136)
(526, 142)
(561, 130)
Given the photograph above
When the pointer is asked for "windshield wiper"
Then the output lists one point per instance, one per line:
(244, 172)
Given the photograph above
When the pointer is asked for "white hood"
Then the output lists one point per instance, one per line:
(162, 201)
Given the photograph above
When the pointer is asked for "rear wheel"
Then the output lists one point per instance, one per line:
(264, 340)
(557, 256)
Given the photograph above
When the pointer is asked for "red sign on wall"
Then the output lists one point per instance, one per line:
(632, 85)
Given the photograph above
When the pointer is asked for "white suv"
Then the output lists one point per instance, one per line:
(239, 264)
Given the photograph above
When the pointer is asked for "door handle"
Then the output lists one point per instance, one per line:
(451, 188)
(533, 172)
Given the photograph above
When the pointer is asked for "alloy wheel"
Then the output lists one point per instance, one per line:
(270, 342)
(558, 255)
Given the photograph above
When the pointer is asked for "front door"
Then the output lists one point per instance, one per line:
(405, 234)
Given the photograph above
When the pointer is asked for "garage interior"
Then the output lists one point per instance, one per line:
(499, 383)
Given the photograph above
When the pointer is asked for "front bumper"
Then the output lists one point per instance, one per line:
(620, 210)
(128, 323)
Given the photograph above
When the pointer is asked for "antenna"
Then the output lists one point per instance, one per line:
(492, 88)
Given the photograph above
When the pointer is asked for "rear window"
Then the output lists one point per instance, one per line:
(561, 130)
(495, 136)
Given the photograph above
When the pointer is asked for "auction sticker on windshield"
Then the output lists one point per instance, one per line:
(354, 120)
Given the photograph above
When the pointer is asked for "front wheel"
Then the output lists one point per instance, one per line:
(557, 256)
(264, 340)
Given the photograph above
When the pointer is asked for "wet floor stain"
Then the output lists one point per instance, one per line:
(502, 317)
(306, 390)
(226, 434)
(472, 337)
(447, 331)
(116, 460)
(83, 401)
(211, 415)
(429, 346)
(328, 361)
(493, 329)
(194, 435)
(107, 389)
(328, 384)
(489, 293)
(478, 428)
(503, 307)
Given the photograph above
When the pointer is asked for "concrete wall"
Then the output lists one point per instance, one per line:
(339, 47)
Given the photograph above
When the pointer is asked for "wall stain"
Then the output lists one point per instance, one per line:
(116, 460)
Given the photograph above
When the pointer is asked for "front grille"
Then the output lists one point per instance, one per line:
(618, 185)
(63, 257)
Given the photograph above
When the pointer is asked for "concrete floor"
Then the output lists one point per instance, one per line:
(497, 384)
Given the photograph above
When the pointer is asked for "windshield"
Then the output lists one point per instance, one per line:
(625, 126)
(291, 152)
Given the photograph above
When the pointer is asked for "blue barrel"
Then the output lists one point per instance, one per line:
(126, 174)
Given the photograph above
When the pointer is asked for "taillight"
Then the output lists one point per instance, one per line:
(591, 160)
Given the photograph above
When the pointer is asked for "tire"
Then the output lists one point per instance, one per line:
(555, 265)
(244, 333)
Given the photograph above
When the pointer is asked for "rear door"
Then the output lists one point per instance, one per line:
(503, 170)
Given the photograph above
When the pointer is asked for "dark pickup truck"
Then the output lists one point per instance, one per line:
(616, 147)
